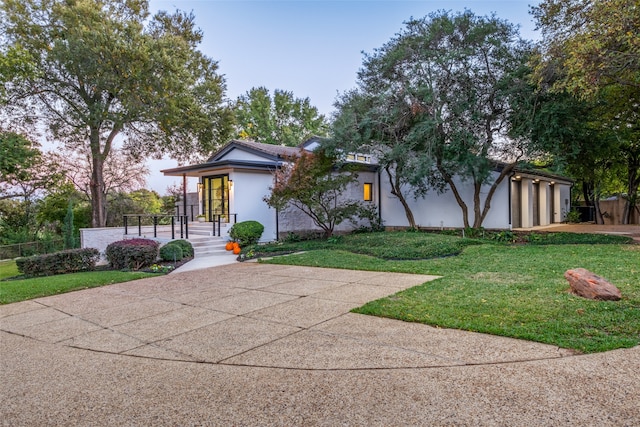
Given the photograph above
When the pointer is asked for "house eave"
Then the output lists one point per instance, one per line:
(200, 169)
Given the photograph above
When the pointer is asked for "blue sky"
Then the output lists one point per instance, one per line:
(312, 48)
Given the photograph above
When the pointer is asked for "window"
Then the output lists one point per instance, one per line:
(368, 192)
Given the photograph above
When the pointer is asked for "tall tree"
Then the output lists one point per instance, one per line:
(280, 119)
(437, 100)
(102, 69)
(591, 50)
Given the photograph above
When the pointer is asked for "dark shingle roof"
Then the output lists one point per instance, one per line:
(276, 150)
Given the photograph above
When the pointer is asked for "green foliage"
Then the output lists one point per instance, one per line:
(590, 57)
(91, 63)
(311, 184)
(69, 239)
(37, 287)
(171, 252)
(246, 232)
(279, 120)
(68, 261)
(132, 254)
(573, 216)
(436, 103)
(24, 171)
(384, 245)
(142, 201)
(8, 268)
(576, 239)
(595, 43)
(187, 247)
(506, 236)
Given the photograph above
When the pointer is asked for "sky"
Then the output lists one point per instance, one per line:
(312, 48)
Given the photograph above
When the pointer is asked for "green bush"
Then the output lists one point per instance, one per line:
(171, 252)
(187, 247)
(573, 217)
(246, 232)
(132, 254)
(69, 261)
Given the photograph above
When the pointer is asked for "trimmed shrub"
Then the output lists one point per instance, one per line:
(69, 261)
(246, 232)
(132, 254)
(187, 247)
(171, 252)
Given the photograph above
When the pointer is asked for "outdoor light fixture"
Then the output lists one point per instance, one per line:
(230, 183)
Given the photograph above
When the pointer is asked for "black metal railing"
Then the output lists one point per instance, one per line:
(217, 222)
(192, 211)
(147, 220)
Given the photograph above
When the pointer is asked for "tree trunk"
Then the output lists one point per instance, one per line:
(506, 171)
(98, 199)
(97, 186)
(456, 194)
(394, 181)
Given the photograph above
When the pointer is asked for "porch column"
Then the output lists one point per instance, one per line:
(526, 200)
(557, 204)
(543, 203)
(184, 193)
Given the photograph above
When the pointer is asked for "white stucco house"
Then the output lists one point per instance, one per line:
(234, 181)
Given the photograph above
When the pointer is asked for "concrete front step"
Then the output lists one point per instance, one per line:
(207, 245)
(207, 228)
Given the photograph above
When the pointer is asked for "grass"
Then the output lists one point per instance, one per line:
(29, 288)
(386, 245)
(516, 291)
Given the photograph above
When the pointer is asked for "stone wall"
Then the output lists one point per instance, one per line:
(100, 238)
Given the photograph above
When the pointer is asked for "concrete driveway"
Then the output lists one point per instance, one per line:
(253, 344)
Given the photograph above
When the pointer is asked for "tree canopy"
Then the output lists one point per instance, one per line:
(591, 50)
(280, 119)
(95, 70)
(436, 102)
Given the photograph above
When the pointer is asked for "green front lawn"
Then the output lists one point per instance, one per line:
(29, 288)
(511, 290)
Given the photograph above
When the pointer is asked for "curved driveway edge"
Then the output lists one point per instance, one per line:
(254, 344)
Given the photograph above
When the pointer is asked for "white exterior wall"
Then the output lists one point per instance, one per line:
(237, 154)
(441, 210)
(562, 201)
(293, 220)
(251, 188)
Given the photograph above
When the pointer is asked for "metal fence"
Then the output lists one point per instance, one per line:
(30, 248)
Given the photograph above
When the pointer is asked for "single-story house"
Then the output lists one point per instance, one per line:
(234, 181)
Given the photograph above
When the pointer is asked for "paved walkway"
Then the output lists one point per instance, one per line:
(254, 344)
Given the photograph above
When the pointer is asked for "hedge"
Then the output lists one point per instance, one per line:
(246, 232)
(132, 254)
(63, 262)
(171, 252)
(187, 247)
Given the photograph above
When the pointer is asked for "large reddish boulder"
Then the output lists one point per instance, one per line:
(588, 285)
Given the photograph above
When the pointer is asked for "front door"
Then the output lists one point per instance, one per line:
(215, 200)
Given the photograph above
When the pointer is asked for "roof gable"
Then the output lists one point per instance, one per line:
(251, 150)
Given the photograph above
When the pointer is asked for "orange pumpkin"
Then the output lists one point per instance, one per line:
(229, 246)
(235, 245)
(236, 250)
